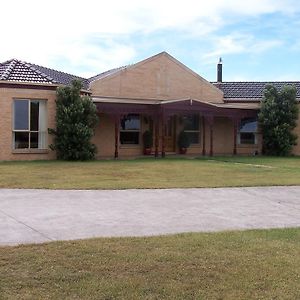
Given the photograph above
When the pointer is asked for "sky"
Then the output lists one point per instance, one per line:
(258, 40)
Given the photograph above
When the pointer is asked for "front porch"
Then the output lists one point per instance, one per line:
(213, 128)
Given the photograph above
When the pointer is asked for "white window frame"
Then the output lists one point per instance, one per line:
(42, 134)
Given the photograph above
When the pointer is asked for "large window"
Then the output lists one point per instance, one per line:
(247, 132)
(192, 128)
(130, 130)
(29, 124)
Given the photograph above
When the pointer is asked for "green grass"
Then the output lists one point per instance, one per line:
(152, 173)
(258, 264)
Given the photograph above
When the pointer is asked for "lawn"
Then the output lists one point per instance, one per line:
(257, 264)
(152, 173)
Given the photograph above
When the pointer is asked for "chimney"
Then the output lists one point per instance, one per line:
(219, 73)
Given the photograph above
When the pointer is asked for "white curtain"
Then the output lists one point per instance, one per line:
(43, 124)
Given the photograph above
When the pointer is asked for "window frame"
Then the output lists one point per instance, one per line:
(131, 131)
(239, 138)
(194, 131)
(29, 131)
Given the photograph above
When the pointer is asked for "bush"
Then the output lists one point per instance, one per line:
(76, 118)
(277, 117)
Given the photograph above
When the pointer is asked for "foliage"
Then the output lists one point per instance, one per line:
(183, 140)
(76, 118)
(277, 117)
(147, 139)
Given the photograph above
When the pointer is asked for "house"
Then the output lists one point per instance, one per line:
(159, 94)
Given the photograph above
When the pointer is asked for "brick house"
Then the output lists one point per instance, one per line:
(159, 94)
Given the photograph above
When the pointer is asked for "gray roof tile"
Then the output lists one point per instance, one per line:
(16, 70)
(251, 90)
(61, 77)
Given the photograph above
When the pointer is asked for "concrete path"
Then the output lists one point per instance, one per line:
(35, 216)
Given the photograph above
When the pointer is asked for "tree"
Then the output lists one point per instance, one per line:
(76, 118)
(278, 116)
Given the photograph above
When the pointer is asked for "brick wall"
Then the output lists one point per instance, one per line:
(159, 77)
(7, 95)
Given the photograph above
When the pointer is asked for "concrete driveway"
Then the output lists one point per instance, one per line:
(35, 216)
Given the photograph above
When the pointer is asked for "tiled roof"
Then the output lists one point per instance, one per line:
(251, 90)
(20, 71)
(61, 77)
(15, 70)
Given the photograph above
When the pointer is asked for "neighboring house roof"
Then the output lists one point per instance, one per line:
(251, 90)
(20, 71)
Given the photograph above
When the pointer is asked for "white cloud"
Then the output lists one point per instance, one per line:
(238, 43)
(45, 31)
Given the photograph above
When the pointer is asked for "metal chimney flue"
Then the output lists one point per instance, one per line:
(219, 70)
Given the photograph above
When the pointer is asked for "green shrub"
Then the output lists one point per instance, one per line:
(76, 118)
(277, 117)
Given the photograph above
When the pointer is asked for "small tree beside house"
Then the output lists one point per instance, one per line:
(76, 118)
(278, 117)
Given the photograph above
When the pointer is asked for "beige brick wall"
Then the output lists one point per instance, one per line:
(223, 139)
(6, 114)
(223, 134)
(160, 77)
(104, 139)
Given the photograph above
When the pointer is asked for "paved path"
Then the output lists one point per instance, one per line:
(35, 216)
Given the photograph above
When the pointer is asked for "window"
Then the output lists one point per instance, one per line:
(247, 132)
(130, 130)
(191, 127)
(29, 124)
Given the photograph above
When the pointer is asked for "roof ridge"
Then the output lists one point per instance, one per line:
(32, 68)
(11, 64)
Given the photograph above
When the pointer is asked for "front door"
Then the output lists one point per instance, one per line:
(170, 134)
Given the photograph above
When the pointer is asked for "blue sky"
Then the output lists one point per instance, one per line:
(258, 40)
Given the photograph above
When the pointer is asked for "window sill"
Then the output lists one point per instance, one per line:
(30, 151)
(130, 146)
(247, 145)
